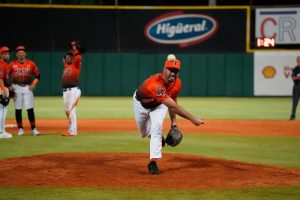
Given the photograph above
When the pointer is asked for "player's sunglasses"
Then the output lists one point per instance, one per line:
(173, 70)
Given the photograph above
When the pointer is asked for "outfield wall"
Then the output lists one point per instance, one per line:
(126, 45)
(124, 29)
(119, 74)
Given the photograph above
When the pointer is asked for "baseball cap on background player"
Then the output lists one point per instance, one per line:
(4, 49)
(20, 48)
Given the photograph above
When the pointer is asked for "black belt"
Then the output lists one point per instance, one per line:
(152, 107)
(66, 89)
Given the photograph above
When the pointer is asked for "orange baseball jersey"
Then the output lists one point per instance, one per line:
(4, 72)
(154, 91)
(22, 72)
(70, 77)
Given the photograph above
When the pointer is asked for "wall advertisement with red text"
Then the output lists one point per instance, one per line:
(283, 24)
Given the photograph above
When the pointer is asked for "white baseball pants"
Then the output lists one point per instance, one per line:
(3, 113)
(23, 95)
(71, 97)
(150, 123)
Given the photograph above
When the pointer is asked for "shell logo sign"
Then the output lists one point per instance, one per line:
(182, 29)
(272, 73)
(269, 71)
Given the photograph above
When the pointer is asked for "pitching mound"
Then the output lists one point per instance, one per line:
(130, 170)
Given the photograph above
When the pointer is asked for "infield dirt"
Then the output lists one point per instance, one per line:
(236, 127)
(130, 169)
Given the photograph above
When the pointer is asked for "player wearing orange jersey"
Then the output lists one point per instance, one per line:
(70, 85)
(4, 58)
(22, 71)
(152, 100)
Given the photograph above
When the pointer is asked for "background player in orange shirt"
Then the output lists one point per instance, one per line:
(22, 71)
(70, 85)
(4, 58)
(152, 100)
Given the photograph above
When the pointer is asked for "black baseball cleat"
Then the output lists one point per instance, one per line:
(293, 117)
(163, 141)
(152, 168)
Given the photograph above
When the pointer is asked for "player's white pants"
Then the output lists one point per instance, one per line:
(71, 97)
(23, 95)
(150, 123)
(4, 117)
(3, 113)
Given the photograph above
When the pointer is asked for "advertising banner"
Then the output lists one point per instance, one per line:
(283, 24)
(203, 30)
(126, 30)
(272, 73)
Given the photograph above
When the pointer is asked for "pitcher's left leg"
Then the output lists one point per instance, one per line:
(157, 117)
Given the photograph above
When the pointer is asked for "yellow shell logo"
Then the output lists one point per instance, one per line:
(269, 72)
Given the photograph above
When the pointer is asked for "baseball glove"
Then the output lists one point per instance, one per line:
(4, 100)
(80, 48)
(174, 136)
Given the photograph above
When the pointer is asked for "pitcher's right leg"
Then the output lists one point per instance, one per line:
(142, 118)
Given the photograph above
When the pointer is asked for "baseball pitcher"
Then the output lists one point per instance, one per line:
(151, 101)
(70, 85)
(4, 93)
(25, 77)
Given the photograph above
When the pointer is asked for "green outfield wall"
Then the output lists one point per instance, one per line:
(119, 74)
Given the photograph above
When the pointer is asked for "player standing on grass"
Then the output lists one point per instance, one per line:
(4, 58)
(152, 100)
(70, 85)
(22, 71)
(296, 88)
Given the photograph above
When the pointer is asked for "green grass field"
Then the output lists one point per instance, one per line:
(208, 107)
(279, 151)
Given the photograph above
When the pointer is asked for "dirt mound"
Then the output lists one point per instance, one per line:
(130, 170)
